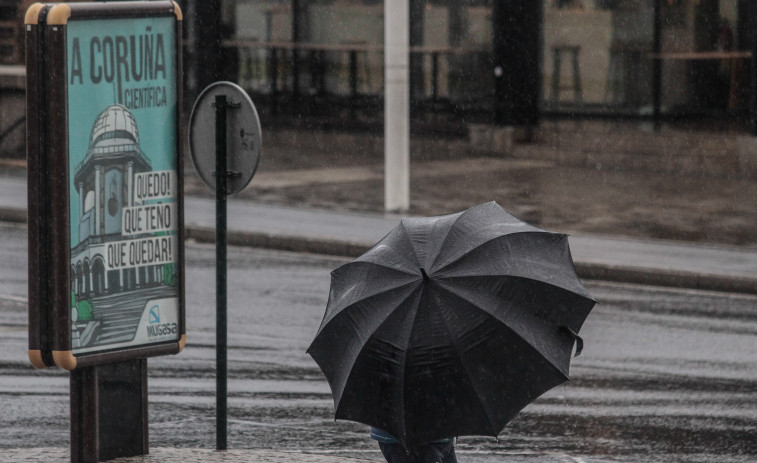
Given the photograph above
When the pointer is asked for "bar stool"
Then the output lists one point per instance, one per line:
(557, 87)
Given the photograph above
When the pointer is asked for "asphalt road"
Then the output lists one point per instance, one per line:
(666, 375)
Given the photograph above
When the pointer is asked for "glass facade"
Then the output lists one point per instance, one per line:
(333, 51)
(600, 57)
(613, 42)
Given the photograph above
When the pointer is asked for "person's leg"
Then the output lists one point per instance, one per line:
(395, 453)
(432, 453)
(449, 455)
(427, 453)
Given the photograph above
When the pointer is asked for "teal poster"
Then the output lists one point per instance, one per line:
(122, 116)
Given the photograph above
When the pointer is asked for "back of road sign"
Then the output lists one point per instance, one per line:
(243, 136)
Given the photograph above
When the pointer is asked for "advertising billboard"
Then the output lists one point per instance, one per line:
(107, 181)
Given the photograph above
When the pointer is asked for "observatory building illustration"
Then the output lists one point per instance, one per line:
(107, 304)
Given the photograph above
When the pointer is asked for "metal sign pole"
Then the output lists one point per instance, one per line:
(226, 161)
(221, 309)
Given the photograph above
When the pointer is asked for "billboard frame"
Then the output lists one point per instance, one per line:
(49, 182)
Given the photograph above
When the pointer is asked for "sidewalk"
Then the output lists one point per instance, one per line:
(173, 455)
(185, 455)
(349, 234)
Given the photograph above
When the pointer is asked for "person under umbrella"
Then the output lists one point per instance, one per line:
(439, 451)
(449, 326)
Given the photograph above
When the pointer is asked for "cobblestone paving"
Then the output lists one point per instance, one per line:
(186, 455)
(170, 455)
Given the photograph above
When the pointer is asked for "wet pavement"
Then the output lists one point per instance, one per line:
(174, 455)
(666, 376)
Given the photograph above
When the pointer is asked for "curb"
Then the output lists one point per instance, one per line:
(352, 249)
(604, 272)
(280, 242)
(667, 278)
(13, 215)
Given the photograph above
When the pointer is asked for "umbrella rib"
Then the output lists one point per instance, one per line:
(580, 292)
(456, 345)
(520, 335)
(446, 237)
(584, 295)
(412, 246)
(404, 371)
(337, 310)
(469, 251)
(412, 257)
(367, 338)
(377, 264)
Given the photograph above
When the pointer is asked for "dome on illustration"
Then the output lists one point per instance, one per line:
(114, 126)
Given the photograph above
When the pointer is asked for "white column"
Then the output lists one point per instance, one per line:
(130, 183)
(81, 200)
(98, 187)
(396, 105)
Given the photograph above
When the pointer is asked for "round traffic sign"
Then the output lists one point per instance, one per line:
(243, 136)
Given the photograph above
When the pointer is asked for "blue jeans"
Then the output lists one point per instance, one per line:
(438, 452)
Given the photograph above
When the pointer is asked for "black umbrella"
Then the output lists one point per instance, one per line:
(450, 325)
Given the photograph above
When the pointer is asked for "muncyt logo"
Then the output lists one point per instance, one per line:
(155, 328)
(154, 314)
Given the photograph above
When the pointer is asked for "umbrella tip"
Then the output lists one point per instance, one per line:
(425, 275)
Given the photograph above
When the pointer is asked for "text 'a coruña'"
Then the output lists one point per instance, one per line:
(128, 62)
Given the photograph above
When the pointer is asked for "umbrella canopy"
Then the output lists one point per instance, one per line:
(450, 325)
